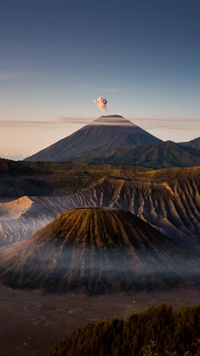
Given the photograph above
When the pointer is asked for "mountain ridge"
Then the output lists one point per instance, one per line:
(160, 155)
(168, 198)
(195, 143)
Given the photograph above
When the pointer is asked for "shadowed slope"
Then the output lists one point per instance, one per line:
(96, 250)
(103, 134)
(159, 155)
(168, 198)
(193, 143)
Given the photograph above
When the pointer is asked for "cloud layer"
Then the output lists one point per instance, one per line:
(146, 123)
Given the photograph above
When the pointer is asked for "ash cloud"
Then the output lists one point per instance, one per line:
(101, 103)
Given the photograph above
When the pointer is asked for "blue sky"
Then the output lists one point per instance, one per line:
(55, 57)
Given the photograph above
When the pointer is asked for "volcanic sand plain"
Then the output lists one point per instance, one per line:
(32, 322)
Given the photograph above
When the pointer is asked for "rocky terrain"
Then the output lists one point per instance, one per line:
(96, 250)
(86, 252)
(168, 199)
(32, 322)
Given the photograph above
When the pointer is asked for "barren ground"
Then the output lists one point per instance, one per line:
(31, 322)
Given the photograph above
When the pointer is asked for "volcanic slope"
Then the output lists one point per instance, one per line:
(193, 143)
(160, 155)
(95, 250)
(169, 199)
(170, 204)
(103, 135)
(14, 209)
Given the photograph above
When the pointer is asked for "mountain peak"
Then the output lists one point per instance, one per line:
(102, 135)
(116, 120)
(115, 115)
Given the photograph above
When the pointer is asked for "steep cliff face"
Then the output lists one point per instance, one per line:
(171, 206)
(167, 199)
(96, 250)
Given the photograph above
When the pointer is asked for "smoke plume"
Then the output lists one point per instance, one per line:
(101, 103)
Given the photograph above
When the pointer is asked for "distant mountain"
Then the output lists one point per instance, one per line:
(193, 143)
(96, 250)
(104, 134)
(160, 155)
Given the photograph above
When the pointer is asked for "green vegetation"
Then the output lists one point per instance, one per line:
(159, 331)
(52, 178)
(57, 168)
(151, 350)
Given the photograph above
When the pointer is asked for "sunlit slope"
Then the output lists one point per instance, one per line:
(14, 209)
(96, 250)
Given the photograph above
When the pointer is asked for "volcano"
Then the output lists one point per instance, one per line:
(103, 135)
(95, 250)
